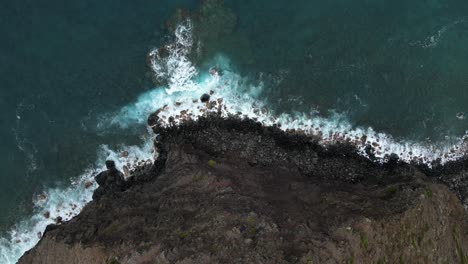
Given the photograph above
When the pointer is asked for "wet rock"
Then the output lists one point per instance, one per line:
(205, 98)
(298, 198)
(42, 197)
(253, 162)
(153, 119)
(211, 105)
(369, 150)
(171, 119)
(88, 184)
(393, 159)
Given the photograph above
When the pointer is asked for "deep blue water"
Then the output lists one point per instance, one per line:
(398, 66)
(371, 59)
(61, 64)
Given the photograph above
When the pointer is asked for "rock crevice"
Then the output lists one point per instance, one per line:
(233, 191)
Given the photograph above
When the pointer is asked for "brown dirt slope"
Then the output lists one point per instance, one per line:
(231, 191)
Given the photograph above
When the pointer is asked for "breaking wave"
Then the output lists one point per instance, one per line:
(233, 95)
(65, 203)
(230, 94)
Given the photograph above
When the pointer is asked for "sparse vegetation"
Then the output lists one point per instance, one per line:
(381, 261)
(183, 235)
(429, 192)
(414, 243)
(461, 253)
(253, 231)
(251, 220)
(199, 178)
(392, 190)
(402, 260)
(310, 260)
(364, 241)
(252, 225)
(212, 163)
(112, 261)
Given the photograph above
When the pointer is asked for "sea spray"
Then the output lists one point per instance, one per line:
(65, 203)
(232, 95)
(171, 64)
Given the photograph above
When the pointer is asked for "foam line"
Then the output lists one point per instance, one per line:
(66, 202)
(231, 95)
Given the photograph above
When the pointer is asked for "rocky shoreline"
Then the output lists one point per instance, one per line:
(234, 191)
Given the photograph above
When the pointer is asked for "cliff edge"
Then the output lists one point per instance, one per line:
(233, 191)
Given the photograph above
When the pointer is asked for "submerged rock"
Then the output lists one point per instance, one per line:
(232, 191)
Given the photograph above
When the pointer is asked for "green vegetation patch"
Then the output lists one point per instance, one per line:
(461, 253)
(392, 190)
(112, 261)
(429, 192)
(310, 260)
(183, 235)
(364, 241)
(199, 178)
(212, 163)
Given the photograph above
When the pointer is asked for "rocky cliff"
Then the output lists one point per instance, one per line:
(232, 191)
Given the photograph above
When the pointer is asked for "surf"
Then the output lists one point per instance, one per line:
(179, 101)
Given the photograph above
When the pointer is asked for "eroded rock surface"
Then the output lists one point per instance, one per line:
(231, 191)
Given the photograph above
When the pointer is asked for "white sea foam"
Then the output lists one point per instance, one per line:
(170, 63)
(230, 95)
(65, 202)
(433, 40)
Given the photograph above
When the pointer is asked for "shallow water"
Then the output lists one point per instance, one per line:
(75, 76)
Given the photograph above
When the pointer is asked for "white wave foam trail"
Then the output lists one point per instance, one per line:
(68, 202)
(433, 41)
(228, 99)
(65, 202)
(232, 95)
(175, 67)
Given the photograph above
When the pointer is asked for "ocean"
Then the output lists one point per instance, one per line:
(80, 79)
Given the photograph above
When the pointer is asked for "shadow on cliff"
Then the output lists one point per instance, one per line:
(234, 191)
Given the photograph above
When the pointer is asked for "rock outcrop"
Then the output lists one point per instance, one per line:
(232, 191)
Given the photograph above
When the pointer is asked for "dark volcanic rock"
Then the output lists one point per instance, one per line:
(231, 191)
(153, 119)
(205, 98)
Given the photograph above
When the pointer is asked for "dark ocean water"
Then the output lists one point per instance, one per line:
(61, 64)
(400, 67)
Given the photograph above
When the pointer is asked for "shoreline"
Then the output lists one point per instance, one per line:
(446, 173)
(236, 170)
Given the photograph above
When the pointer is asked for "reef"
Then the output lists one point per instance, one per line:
(230, 190)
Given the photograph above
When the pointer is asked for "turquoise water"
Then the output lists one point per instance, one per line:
(69, 69)
(62, 64)
(374, 60)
